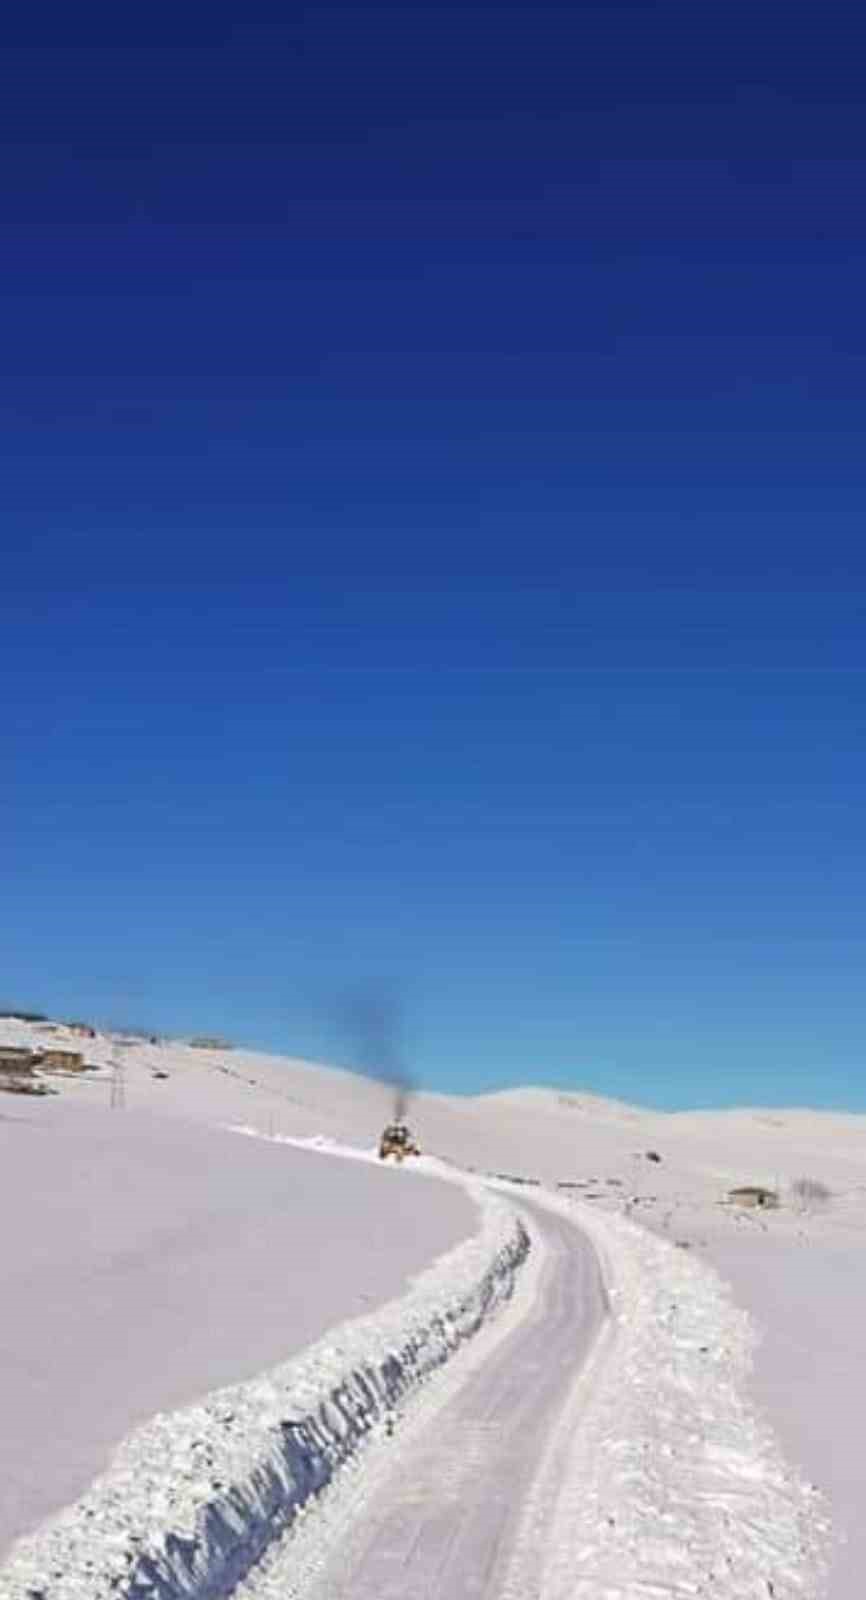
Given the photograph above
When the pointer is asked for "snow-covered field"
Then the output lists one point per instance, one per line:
(157, 1255)
(147, 1261)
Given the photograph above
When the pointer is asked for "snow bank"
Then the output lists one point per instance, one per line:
(154, 1261)
(192, 1499)
(665, 1477)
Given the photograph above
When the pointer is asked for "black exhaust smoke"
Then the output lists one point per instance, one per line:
(372, 1018)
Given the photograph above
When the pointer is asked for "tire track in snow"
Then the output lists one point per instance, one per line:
(443, 1520)
(192, 1501)
(566, 1465)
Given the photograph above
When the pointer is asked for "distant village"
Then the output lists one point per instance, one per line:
(27, 1069)
(23, 1068)
(57, 1049)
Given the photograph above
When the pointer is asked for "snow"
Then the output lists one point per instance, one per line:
(807, 1367)
(714, 1431)
(673, 1481)
(433, 1509)
(194, 1497)
(146, 1262)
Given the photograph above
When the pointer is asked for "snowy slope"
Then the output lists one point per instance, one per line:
(149, 1261)
(799, 1274)
(194, 1498)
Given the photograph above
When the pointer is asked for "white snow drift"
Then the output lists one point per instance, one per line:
(193, 1498)
(665, 1478)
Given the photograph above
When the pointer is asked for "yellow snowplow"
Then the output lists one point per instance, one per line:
(398, 1142)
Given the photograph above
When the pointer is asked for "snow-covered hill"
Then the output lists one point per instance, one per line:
(158, 1255)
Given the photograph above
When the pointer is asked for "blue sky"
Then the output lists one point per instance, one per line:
(432, 536)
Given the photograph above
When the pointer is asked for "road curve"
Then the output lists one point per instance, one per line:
(444, 1521)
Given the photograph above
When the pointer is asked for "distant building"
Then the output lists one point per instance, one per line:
(61, 1060)
(754, 1196)
(17, 1062)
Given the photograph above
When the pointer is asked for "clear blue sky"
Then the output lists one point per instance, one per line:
(433, 534)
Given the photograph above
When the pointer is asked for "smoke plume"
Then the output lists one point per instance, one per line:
(372, 1019)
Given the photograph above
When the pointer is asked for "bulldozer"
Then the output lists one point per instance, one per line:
(398, 1142)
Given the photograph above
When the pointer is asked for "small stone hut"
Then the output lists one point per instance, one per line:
(754, 1196)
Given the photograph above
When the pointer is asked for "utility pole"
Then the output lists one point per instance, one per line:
(117, 1100)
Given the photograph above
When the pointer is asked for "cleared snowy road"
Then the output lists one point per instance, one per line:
(445, 1520)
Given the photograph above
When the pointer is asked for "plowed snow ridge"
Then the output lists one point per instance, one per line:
(192, 1499)
(666, 1480)
(659, 1478)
